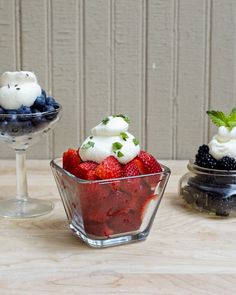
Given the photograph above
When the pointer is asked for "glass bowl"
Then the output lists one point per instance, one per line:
(110, 212)
(209, 190)
(19, 131)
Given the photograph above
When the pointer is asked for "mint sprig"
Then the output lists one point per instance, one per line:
(124, 136)
(116, 146)
(221, 119)
(105, 121)
(135, 141)
(88, 145)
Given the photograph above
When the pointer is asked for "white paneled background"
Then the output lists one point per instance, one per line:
(162, 62)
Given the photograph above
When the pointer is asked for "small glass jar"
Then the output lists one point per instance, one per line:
(209, 190)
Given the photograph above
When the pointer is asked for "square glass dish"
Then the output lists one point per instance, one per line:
(110, 212)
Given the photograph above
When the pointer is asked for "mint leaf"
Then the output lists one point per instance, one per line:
(135, 141)
(124, 136)
(218, 118)
(126, 118)
(105, 121)
(120, 154)
(88, 145)
(91, 137)
(232, 115)
(116, 146)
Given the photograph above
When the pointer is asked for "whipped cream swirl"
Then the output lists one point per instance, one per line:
(110, 138)
(17, 89)
(223, 143)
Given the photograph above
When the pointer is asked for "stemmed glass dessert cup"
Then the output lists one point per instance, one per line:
(209, 191)
(19, 131)
(110, 212)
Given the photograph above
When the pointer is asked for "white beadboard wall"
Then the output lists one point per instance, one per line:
(162, 62)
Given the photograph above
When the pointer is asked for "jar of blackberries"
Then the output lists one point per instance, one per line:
(210, 191)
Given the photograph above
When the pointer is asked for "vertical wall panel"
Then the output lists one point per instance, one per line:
(190, 102)
(97, 61)
(164, 63)
(34, 38)
(160, 59)
(9, 51)
(65, 71)
(223, 57)
(129, 52)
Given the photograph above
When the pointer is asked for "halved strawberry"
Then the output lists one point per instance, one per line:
(109, 168)
(150, 163)
(131, 169)
(71, 161)
(86, 170)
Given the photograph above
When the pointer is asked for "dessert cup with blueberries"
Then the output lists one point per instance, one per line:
(26, 114)
(110, 188)
(210, 184)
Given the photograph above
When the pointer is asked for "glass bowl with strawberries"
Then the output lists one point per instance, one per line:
(110, 189)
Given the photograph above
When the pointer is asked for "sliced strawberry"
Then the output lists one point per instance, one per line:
(125, 221)
(86, 170)
(150, 163)
(131, 169)
(71, 161)
(109, 168)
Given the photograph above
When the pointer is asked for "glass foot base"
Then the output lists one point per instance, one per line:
(18, 209)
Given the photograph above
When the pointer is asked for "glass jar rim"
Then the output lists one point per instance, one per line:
(32, 115)
(55, 164)
(206, 171)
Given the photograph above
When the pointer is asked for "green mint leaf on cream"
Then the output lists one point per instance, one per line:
(135, 141)
(105, 121)
(218, 118)
(88, 145)
(124, 136)
(126, 118)
(221, 119)
(116, 146)
(120, 154)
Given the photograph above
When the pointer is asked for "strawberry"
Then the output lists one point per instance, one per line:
(131, 169)
(150, 163)
(71, 161)
(86, 170)
(109, 168)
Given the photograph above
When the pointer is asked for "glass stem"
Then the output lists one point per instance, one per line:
(21, 179)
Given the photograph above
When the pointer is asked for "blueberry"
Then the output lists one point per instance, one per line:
(38, 119)
(34, 110)
(13, 126)
(2, 112)
(11, 112)
(44, 93)
(40, 103)
(26, 127)
(51, 101)
(3, 126)
(24, 110)
(52, 115)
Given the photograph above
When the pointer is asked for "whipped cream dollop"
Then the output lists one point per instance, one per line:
(17, 89)
(223, 143)
(110, 138)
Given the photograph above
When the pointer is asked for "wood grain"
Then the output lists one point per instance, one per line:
(186, 253)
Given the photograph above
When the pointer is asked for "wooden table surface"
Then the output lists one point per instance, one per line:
(186, 253)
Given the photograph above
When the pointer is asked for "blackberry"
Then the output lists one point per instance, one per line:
(204, 159)
(227, 163)
(203, 149)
